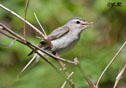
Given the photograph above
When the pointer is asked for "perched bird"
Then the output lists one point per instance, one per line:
(63, 39)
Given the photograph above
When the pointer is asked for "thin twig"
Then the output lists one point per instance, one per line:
(91, 84)
(35, 48)
(119, 76)
(12, 12)
(63, 86)
(38, 48)
(44, 33)
(28, 23)
(40, 24)
(106, 68)
(45, 38)
(11, 32)
(71, 82)
(25, 12)
(28, 44)
(15, 14)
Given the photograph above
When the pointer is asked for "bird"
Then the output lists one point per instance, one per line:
(63, 39)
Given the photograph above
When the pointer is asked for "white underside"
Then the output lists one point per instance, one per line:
(63, 44)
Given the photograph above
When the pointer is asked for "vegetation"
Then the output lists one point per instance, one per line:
(97, 45)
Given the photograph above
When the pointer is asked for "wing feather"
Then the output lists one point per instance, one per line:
(59, 32)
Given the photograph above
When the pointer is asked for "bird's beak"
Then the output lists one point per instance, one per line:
(87, 23)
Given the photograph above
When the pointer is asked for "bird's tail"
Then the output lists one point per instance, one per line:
(29, 65)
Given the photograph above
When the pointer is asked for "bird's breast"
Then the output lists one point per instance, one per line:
(64, 43)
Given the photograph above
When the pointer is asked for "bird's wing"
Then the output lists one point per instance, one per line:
(59, 32)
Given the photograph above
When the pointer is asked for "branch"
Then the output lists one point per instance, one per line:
(106, 68)
(35, 48)
(28, 23)
(53, 56)
(28, 44)
(119, 76)
(38, 48)
(40, 25)
(91, 84)
(45, 38)
(44, 33)
(25, 12)
(48, 41)
(71, 82)
(63, 86)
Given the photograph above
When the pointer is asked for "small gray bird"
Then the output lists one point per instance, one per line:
(63, 39)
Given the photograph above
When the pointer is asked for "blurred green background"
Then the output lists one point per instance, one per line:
(97, 46)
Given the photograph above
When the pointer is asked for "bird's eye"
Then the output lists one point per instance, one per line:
(78, 22)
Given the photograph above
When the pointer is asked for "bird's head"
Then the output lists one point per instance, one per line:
(77, 23)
